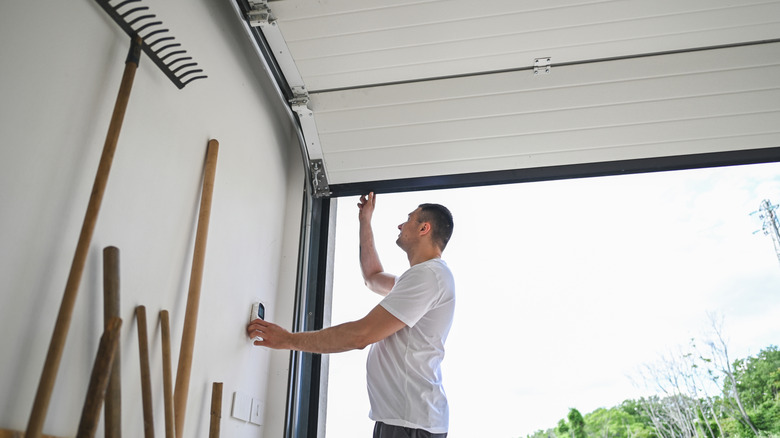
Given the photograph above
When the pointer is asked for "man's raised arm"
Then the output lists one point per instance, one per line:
(374, 275)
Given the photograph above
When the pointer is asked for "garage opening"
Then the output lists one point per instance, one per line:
(570, 291)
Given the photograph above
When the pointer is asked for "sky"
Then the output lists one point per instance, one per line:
(565, 289)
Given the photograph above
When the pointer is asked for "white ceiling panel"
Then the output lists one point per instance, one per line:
(348, 43)
(675, 104)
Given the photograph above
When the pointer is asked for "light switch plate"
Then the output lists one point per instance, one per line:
(256, 416)
(242, 406)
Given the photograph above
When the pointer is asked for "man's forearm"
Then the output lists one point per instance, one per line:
(377, 325)
(370, 266)
(369, 258)
(336, 339)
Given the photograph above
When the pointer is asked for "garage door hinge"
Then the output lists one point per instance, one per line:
(542, 66)
(319, 180)
(259, 13)
(300, 97)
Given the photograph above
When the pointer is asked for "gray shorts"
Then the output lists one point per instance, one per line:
(382, 430)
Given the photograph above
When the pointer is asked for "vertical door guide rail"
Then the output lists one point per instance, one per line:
(301, 417)
(305, 384)
(261, 25)
(295, 379)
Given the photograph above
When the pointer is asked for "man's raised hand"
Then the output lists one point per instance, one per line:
(366, 205)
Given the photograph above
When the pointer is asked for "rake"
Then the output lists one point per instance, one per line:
(146, 35)
(136, 21)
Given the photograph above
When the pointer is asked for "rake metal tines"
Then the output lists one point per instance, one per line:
(135, 20)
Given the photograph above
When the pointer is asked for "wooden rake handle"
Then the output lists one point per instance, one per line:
(57, 344)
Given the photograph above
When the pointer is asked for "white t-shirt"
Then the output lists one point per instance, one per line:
(404, 373)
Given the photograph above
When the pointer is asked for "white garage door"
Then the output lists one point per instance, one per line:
(409, 90)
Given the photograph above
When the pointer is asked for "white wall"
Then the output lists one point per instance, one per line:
(59, 75)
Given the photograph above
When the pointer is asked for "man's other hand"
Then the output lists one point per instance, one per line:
(272, 336)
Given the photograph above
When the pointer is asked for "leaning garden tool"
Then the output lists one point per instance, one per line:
(98, 383)
(157, 44)
(146, 374)
(146, 36)
(186, 349)
(111, 310)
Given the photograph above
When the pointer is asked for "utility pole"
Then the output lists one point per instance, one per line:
(770, 226)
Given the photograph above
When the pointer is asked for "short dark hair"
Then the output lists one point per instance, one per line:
(441, 219)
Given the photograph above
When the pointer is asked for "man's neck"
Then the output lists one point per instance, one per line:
(423, 255)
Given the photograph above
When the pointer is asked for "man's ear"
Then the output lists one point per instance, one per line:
(425, 228)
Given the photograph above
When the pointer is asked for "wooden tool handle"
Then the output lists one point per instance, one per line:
(111, 309)
(167, 374)
(216, 409)
(98, 383)
(193, 297)
(61, 327)
(146, 380)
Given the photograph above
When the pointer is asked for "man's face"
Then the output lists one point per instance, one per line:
(408, 230)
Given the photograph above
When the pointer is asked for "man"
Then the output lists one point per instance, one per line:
(406, 330)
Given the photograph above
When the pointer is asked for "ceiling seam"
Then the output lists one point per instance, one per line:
(553, 65)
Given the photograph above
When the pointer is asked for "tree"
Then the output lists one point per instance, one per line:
(758, 378)
(721, 353)
(562, 430)
(576, 424)
(623, 421)
(697, 395)
(683, 407)
(543, 434)
(574, 428)
(758, 381)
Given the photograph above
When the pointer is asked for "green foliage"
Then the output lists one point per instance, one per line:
(624, 420)
(758, 385)
(576, 424)
(758, 378)
(549, 433)
(562, 429)
(766, 417)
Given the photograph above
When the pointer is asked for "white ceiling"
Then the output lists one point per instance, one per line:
(413, 89)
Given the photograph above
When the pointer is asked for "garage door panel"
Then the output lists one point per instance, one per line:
(638, 105)
(561, 140)
(305, 20)
(592, 146)
(521, 35)
(501, 119)
(704, 93)
(369, 170)
(308, 20)
(410, 89)
(745, 66)
(585, 145)
(614, 115)
(350, 43)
